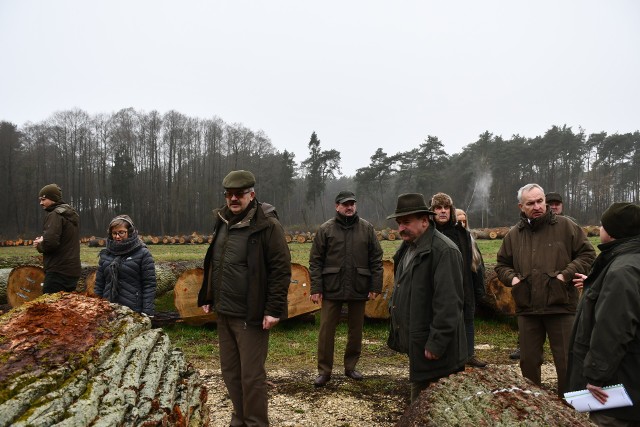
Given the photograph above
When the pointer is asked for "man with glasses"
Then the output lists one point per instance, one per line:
(346, 267)
(247, 271)
(59, 243)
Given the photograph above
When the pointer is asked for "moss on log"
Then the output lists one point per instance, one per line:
(489, 397)
(74, 360)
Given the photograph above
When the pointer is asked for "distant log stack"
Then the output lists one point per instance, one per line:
(24, 284)
(388, 234)
(488, 397)
(378, 308)
(70, 359)
(490, 233)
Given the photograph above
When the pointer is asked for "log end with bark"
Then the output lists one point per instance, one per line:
(489, 397)
(79, 360)
(378, 308)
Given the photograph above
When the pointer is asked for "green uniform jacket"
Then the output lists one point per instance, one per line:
(426, 307)
(605, 342)
(269, 264)
(60, 244)
(345, 262)
(536, 253)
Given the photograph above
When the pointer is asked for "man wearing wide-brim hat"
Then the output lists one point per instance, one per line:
(426, 307)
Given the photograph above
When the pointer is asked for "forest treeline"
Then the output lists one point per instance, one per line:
(165, 170)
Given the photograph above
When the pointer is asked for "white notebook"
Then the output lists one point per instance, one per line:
(583, 400)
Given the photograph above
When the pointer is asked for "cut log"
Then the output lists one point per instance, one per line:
(185, 295)
(490, 233)
(489, 397)
(388, 235)
(71, 359)
(97, 243)
(498, 297)
(24, 284)
(378, 308)
(301, 238)
(298, 298)
(185, 298)
(167, 274)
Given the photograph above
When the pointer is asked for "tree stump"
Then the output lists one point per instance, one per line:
(24, 284)
(378, 308)
(489, 397)
(75, 360)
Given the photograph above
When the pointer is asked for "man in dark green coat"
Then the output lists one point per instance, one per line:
(426, 307)
(605, 341)
(59, 243)
(247, 271)
(345, 265)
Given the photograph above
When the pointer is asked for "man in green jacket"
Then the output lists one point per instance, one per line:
(345, 265)
(539, 258)
(59, 243)
(605, 342)
(247, 271)
(426, 308)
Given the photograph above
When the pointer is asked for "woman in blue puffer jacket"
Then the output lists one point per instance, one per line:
(126, 271)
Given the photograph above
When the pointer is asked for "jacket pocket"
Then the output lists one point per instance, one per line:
(521, 294)
(557, 292)
(330, 279)
(363, 280)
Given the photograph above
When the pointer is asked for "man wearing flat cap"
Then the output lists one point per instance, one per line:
(554, 200)
(605, 341)
(247, 271)
(59, 243)
(345, 265)
(426, 307)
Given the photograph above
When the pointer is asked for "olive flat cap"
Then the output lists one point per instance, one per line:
(345, 196)
(239, 179)
(553, 197)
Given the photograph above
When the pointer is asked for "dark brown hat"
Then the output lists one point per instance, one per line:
(621, 220)
(345, 196)
(239, 179)
(553, 197)
(410, 203)
(52, 192)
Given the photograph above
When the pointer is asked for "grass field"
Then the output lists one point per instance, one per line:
(294, 341)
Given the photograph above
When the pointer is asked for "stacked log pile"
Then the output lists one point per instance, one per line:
(73, 360)
(489, 397)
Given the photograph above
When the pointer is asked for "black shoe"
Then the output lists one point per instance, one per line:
(354, 375)
(322, 380)
(516, 354)
(476, 363)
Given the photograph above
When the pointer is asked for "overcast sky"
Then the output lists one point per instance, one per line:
(361, 74)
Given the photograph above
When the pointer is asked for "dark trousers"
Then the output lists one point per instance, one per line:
(533, 331)
(329, 318)
(56, 282)
(243, 352)
(470, 329)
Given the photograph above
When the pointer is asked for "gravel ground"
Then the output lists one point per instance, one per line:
(379, 400)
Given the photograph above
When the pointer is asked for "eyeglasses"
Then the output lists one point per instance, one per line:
(121, 233)
(238, 194)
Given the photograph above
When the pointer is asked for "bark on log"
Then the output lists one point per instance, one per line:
(97, 243)
(389, 234)
(73, 360)
(490, 233)
(489, 397)
(4, 277)
(24, 284)
(378, 308)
